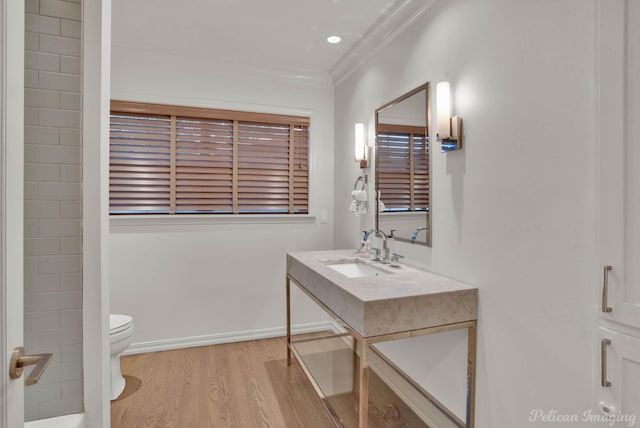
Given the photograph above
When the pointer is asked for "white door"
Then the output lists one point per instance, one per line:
(619, 154)
(618, 393)
(11, 202)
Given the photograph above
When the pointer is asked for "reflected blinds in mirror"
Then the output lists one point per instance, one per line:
(403, 167)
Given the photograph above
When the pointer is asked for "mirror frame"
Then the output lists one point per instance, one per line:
(426, 87)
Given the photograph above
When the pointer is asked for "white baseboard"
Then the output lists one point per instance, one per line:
(215, 339)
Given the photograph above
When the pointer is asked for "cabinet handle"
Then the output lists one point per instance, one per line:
(605, 289)
(603, 363)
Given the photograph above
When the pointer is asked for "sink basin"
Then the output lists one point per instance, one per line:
(355, 268)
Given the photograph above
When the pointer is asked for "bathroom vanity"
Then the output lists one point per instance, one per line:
(373, 303)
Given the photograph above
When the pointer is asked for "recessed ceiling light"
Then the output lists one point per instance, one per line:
(334, 39)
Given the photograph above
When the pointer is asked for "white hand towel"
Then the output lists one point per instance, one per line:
(359, 195)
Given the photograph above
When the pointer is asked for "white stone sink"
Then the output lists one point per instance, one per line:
(355, 268)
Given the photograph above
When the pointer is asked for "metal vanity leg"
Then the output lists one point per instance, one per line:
(471, 373)
(288, 321)
(363, 393)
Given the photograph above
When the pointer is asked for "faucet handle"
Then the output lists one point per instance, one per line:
(395, 257)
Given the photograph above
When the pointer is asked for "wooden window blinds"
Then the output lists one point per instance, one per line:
(183, 160)
(403, 167)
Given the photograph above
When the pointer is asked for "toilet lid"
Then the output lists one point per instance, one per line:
(118, 323)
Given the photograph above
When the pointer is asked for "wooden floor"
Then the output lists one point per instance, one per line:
(243, 385)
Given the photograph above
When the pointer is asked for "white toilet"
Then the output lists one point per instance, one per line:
(120, 332)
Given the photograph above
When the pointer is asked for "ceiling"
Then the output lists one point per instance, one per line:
(272, 34)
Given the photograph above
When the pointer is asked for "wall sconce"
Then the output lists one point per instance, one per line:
(361, 147)
(449, 131)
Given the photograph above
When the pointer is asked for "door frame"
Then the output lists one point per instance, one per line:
(96, 58)
(11, 205)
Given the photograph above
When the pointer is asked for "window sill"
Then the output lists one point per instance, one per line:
(135, 223)
(404, 214)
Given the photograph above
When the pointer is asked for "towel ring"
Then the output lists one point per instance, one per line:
(361, 178)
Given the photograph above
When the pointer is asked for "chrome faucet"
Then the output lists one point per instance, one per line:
(414, 236)
(385, 249)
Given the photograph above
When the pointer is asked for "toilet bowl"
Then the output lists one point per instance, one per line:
(120, 332)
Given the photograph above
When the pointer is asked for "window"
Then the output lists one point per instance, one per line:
(183, 160)
(403, 167)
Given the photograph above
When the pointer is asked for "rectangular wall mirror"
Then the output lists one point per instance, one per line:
(403, 167)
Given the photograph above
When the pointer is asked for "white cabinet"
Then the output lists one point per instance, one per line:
(618, 390)
(619, 160)
(617, 367)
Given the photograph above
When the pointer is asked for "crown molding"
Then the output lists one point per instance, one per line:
(396, 19)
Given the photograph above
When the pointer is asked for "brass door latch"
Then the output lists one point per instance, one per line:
(19, 361)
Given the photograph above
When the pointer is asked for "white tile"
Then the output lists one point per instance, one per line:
(30, 265)
(30, 228)
(50, 191)
(71, 353)
(44, 320)
(31, 154)
(71, 318)
(41, 135)
(41, 246)
(41, 98)
(71, 209)
(35, 209)
(41, 283)
(65, 371)
(31, 41)
(42, 24)
(41, 61)
(61, 9)
(60, 45)
(70, 137)
(71, 173)
(30, 116)
(59, 81)
(49, 409)
(71, 29)
(70, 64)
(60, 154)
(71, 246)
(31, 79)
(43, 393)
(32, 6)
(72, 388)
(52, 301)
(58, 117)
(70, 101)
(31, 190)
(59, 264)
(64, 227)
(71, 281)
(42, 172)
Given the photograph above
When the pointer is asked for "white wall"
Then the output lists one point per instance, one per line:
(188, 281)
(513, 212)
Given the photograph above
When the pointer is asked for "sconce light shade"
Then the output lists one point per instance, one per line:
(443, 101)
(361, 148)
(449, 129)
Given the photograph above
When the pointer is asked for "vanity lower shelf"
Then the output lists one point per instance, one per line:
(331, 364)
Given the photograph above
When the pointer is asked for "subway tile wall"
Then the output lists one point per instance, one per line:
(53, 203)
